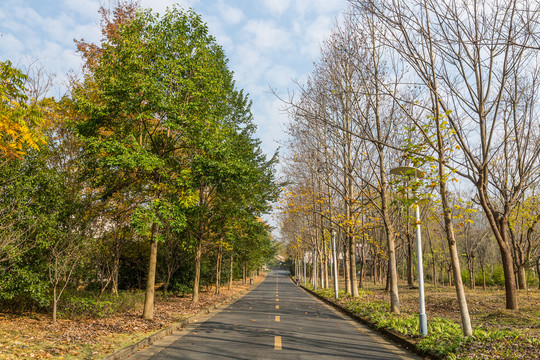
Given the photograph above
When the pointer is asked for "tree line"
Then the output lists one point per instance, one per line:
(449, 87)
(146, 173)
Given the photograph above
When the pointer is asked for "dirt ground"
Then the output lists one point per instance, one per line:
(33, 336)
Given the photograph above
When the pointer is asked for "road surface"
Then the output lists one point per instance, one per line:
(276, 320)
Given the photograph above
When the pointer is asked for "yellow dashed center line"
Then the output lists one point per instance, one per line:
(277, 339)
(277, 343)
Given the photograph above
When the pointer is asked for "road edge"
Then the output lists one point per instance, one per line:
(134, 348)
(396, 338)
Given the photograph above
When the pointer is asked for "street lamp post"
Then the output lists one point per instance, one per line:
(412, 171)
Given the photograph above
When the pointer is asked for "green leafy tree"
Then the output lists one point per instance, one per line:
(154, 102)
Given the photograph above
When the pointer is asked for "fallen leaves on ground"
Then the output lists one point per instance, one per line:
(33, 336)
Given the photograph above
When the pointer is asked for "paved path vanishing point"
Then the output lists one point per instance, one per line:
(276, 320)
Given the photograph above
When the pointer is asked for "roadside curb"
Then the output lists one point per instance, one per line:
(132, 349)
(396, 338)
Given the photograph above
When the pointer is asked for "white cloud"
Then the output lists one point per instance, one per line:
(280, 76)
(89, 32)
(314, 34)
(10, 47)
(215, 27)
(249, 67)
(85, 8)
(277, 7)
(319, 6)
(72, 60)
(270, 122)
(267, 35)
(229, 14)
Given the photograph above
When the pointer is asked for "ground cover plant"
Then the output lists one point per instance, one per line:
(497, 334)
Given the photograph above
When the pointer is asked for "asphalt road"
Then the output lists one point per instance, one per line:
(277, 320)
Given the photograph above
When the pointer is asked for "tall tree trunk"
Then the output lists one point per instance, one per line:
(116, 271)
(326, 277)
(508, 266)
(390, 236)
(304, 267)
(374, 267)
(231, 271)
(434, 272)
(499, 225)
(362, 263)
(443, 190)
(352, 255)
(197, 279)
(314, 268)
(55, 305)
(321, 271)
(347, 267)
(350, 239)
(522, 277)
(218, 269)
(341, 267)
(442, 274)
(472, 274)
(116, 266)
(148, 311)
(387, 282)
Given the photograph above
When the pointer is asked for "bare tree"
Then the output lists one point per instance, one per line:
(478, 62)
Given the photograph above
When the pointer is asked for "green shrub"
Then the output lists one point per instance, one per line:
(532, 280)
(180, 289)
(497, 276)
(86, 304)
(23, 289)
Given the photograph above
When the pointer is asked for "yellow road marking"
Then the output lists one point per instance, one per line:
(277, 343)
(277, 306)
(277, 318)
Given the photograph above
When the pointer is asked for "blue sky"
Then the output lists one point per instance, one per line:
(270, 43)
